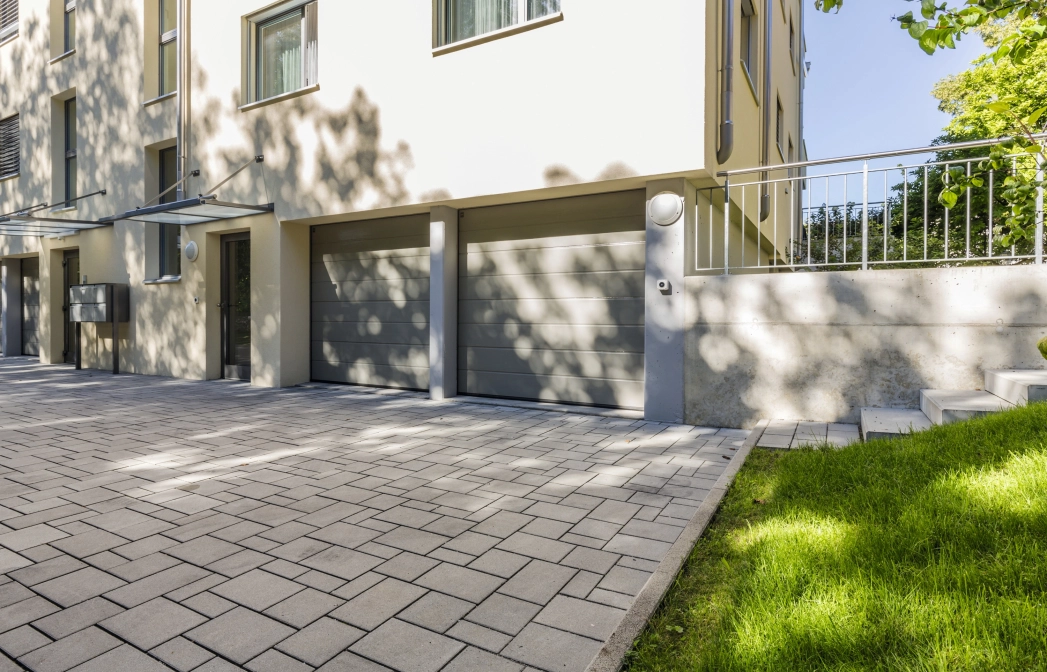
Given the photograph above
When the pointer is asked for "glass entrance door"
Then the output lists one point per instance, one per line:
(236, 306)
(71, 266)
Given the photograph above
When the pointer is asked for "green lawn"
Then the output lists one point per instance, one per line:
(926, 552)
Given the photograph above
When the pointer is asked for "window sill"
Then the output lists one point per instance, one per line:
(12, 176)
(10, 37)
(498, 34)
(279, 99)
(160, 99)
(58, 211)
(61, 57)
(166, 280)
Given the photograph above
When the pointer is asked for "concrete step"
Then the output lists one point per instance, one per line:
(1017, 387)
(946, 406)
(884, 423)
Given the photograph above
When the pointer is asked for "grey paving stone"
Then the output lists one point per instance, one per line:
(596, 621)
(153, 623)
(640, 548)
(342, 562)
(536, 547)
(502, 524)
(429, 653)
(143, 567)
(546, 527)
(378, 604)
(478, 635)
(239, 563)
(436, 611)
(342, 534)
(499, 563)
(472, 543)
(407, 566)
(349, 662)
(466, 584)
(538, 582)
(566, 514)
(299, 549)
(74, 619)
(581, 585)
(590, 560)
(46, 570)
(625, 580)
(182, 655)
(218, 665)
(303, 608)
(144, 547)
(323, 582)
(611, 599)
(89, 543)
(71, 651)
(415, 541)
(31, 536)
(21, 641)
(274, 661)
(78, 587)
(596, 529)
(611, 511)
(357, 586)
(552, 650)
(14, 592)
(648, 530)
(208, 604)
(123, 659)
(203, 550)
(475, 660)
(257, 589)
(321, 641)
(503, 613)
(240, 635)
(156, 585)
(449, 526)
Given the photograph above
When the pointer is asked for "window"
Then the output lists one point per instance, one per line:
(285, 49)
(10, 147)
(70, 26)
(170, 234)
(168, 46)
(779, 128)
(791, 157)
(749, 39)
(464, 19)
(8, 18)
(792, 40)
(70, 150)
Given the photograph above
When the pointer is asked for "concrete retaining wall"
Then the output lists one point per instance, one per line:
(819, 346)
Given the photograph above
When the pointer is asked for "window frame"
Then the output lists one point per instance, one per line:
(254, 53)
(443, 20)
(14, 120)
(166, 39)
(779, 127)
(70, 134)
(69, 36)
(165, 181)
(9, 30)
(749, 44)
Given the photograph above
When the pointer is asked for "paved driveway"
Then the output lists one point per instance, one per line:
(150, 524)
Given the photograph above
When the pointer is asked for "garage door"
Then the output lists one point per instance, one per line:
(551, 303)
(31, 307)
(370, 303)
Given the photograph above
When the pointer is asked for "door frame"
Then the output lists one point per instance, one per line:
(68, 282)
(229, 371)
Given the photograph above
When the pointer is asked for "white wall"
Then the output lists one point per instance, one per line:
(819, 346)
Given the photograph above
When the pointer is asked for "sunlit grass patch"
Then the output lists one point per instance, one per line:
(926, 552)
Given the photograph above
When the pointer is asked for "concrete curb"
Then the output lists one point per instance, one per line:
(612, 655)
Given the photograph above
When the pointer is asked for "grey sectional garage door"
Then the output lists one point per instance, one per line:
(551, 300)
(370, 303)
(31, 307)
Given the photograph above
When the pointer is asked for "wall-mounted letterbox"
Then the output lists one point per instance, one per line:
(100, 303)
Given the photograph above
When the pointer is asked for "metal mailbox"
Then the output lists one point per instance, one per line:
(106, 303)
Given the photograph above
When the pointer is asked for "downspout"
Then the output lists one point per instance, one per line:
(183, 98)
(726, 144)
(768, 88)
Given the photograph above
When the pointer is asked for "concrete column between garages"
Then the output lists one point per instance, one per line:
(11, 295)
(443, 302)
(665, 314)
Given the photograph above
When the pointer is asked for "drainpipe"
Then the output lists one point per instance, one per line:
(726, 145)
(768, 88)
(183, 97)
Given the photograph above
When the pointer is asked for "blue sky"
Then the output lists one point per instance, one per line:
(870, 84)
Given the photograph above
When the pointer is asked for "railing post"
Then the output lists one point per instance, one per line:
(1039, 213)
(865, 215)
(727, 225)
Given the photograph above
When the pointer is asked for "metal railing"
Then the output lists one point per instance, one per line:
(857, 219)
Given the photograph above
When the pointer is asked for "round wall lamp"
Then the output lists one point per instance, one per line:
(192, 251)
(665, 208)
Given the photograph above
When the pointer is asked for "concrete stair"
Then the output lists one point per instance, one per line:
(1003, 390)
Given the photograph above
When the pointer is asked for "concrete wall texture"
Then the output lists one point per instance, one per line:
(819, 346)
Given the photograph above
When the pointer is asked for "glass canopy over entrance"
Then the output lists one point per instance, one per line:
(190, 211)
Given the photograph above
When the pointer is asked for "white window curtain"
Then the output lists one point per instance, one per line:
(470, 18)
(280, 47)
(536, 9)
